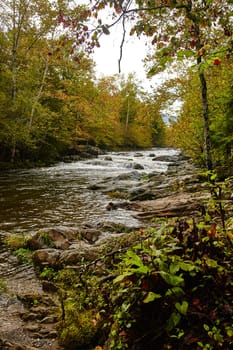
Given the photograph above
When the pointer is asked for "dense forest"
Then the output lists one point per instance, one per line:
(51, 100)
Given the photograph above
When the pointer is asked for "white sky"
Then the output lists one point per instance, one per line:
(108, 54)
(134, 51)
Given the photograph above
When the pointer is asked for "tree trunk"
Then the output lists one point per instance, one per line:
(37, 97)
(205, 106)
(127, 115)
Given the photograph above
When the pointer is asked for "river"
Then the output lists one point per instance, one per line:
(61, 195)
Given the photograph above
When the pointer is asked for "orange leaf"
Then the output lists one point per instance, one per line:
(212, 231)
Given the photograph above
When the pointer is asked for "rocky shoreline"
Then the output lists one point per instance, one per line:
(30, 307)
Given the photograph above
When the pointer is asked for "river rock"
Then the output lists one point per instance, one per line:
(174, 205)
(91, 235)
(133, 175)
(59, 238)
(136, 166)
(47, 257)
(108, 158)
(77, 256)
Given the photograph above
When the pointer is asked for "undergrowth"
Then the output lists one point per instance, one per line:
(172, 290)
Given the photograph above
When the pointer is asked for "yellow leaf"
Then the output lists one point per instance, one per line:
(230, 235)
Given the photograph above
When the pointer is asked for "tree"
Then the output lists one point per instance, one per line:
(24, 25)
(42, 72)
(179, 29)
(186, 131)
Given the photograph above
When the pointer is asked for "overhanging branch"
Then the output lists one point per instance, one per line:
(121, 45)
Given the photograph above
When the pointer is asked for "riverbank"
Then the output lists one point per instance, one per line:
(66, 258)
(81, 152)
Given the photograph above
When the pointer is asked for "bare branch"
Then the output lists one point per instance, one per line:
(121, 45)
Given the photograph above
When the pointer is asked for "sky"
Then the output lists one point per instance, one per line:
(107, 56)
(134, 51)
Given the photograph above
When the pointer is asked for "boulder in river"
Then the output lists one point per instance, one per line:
(56, 237)
(47, 257)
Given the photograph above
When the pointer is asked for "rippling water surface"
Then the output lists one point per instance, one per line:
(60, 195)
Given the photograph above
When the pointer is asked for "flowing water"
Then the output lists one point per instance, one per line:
(60, 195)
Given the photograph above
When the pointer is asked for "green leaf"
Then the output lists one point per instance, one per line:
(187, 266)
(105, 29)
(171, 279)
(211, 263)
(120, 278)
(134, 259)
(177, 291)
(141, 269)
(229, 331)
(174, 268)
(184, 54)
(151, 296)
(182, 307)
(173, 321)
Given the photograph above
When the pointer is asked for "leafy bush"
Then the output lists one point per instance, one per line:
(172, 290)
(164, 288)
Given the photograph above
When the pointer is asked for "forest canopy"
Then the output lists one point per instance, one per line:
(51, 100)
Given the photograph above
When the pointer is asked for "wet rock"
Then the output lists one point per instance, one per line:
(138, 154)
(49, 319)
(144, 195)
(166, 159)
(113, 227)
(118, 205)
(108, 158)
(71, 158)
(91, 235)
(84, 151)
(32, 327)
(29, 316)
(59, 238)
(49, 287)
(138, 166)
(47, 257)
(134, 166)
(175, 205)
(172, 158)
(133, 175)
(77, 256)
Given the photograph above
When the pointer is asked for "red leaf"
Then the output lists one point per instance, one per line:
(217, 62)
(145, 285)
